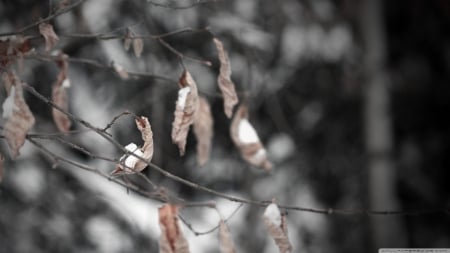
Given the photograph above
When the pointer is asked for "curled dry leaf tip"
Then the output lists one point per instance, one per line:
(51, 39)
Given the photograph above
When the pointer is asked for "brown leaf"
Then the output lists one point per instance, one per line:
(247, 141)
(226, 241)
(186, 108)
(172, 239)
(19, 117)
(2, 159)
(130, 164)
(12, 49)
(128, 39)
(60, 97)
(203, 130)
(51, 39)
(138, 47)
(276, 226)
(226, 86)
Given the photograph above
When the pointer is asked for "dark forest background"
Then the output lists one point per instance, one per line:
(350, 98)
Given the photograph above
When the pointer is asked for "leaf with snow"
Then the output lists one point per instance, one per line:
(130, 164)
(185, 110)
(60, 97)
(172, 239)
(203, 130)
(247, 141)
(2, 160)
(276, 226)
(121, 71)
(138, 46)
(19, 119)
(226, 241)
(226, 86)
(51, 39)
(128, 39)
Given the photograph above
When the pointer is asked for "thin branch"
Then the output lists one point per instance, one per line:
(232, 198)
(183, 56)
(48, 18)
(192, 5)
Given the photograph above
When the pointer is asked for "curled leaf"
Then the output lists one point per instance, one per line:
(247, 141)
(138, 47)
(226, 86)
(203, 130)
(226, 241)
(130, 164)
(60, 97)
(13, 49)
(185, 110)
(19, 119)
(276, 226)
(172, 239)
(51, 39)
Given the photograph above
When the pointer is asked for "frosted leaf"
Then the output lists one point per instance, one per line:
(276, 226)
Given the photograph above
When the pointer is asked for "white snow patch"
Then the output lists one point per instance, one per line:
(281, 147)
(66, 83)
(182, 97)
(106, 235)
(261, 154)
(28, 180)
(130, 160)
(9, 106)
(272, 213)
(246, 133)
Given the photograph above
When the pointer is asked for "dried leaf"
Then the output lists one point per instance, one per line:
(127, 40)
(226, 86)
(19, 117)
(13, 49)
(203, 130)
(172, 239)
(247, 141)
(276, 226)
(60, 97)
(226, 241)
(138, 46)
(121, 71)
(129, 164)
(186, 108)
(2, 160)
(51, 39)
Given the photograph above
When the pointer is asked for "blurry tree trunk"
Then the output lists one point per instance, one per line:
(385, 231)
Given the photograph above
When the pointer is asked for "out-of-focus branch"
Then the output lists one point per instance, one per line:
(179, 7)
(46, 19)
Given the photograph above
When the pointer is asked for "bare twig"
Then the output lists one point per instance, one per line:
(177, 7)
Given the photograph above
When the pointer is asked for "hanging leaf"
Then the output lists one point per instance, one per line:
(60, 97)
(247, 141)
(13, 49)
(128, 39)
(277, 227)
(19, 119)
(203, 130)
(51, 39)
(138, 46)
(226, 86)
(185, 110)
(121, 71)
(172, 239)
(226, 241)
(129, 164)
(2, 160)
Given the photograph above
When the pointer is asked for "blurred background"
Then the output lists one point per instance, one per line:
(349, 97)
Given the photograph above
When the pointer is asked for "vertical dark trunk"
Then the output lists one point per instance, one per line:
(385, 231)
